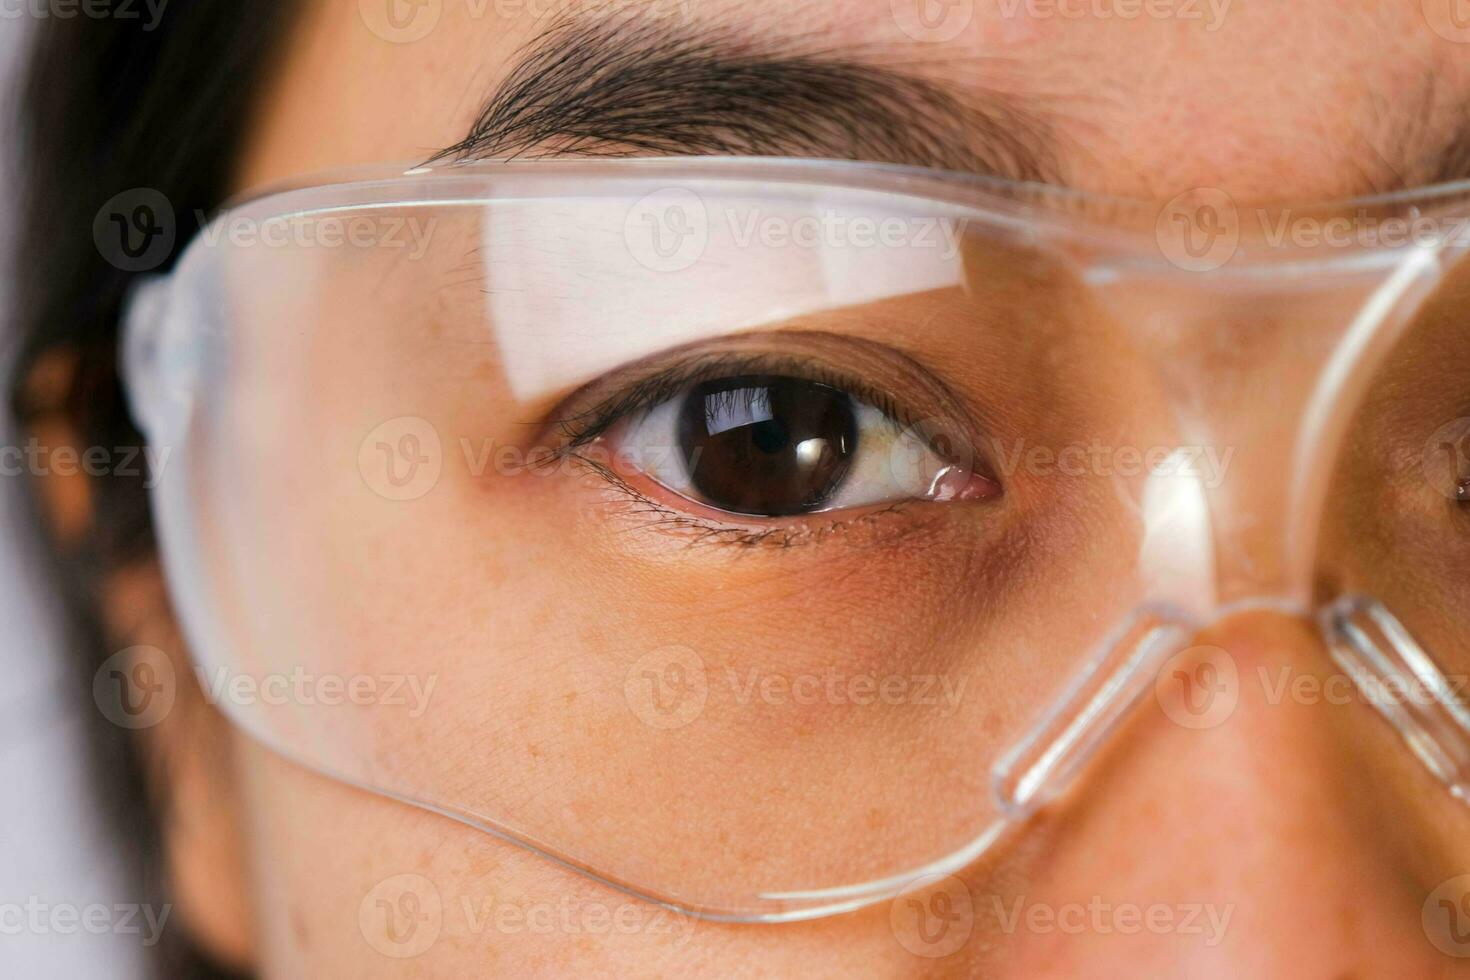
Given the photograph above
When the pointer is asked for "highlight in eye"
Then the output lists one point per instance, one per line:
(758, 445)
(777, 446)
(772, 438)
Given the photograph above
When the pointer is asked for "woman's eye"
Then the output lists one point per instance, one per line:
(775, 446)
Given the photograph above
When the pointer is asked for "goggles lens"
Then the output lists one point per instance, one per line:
(748, 539)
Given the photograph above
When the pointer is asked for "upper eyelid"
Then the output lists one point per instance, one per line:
(586, 424)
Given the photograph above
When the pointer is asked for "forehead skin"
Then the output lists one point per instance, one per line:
(1269, 101)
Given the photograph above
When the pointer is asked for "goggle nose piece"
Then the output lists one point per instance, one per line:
(1043, 763)
(1400, 679)
(1392, 672)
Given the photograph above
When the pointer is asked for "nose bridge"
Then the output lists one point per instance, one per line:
(1159, 653)
(1352, 653)
(1261, 778)
(1257, 695)
(1248, 647)
(1259, 378)
(1261, 714)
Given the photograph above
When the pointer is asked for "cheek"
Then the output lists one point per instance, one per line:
(352, 884)
(347, 883)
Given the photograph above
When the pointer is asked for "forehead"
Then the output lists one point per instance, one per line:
(1310, 99)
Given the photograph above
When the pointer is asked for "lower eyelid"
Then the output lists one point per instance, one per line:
(634, 503)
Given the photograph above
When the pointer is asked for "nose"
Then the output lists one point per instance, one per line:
(1255, 817)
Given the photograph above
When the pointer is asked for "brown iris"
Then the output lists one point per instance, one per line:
(767, 445)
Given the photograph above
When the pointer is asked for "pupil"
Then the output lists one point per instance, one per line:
(769, 436)
(765, 445)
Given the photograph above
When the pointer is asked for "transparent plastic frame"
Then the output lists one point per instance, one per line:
(1219, 335)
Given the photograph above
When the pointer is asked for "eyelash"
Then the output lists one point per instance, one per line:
(581, 428)
(703, 531)
(584, 427)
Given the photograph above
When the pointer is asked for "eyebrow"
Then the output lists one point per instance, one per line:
(623, 88)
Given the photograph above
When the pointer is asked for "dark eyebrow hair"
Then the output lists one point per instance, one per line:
(637, 87)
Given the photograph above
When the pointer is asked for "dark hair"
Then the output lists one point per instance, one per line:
(111, 104)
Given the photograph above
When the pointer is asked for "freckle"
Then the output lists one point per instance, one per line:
(570, 697)
(534, 750)
(299, 931)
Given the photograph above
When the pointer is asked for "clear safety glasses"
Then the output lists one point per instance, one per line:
(756, 535)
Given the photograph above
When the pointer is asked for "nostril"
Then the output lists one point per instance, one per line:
(1401, 680)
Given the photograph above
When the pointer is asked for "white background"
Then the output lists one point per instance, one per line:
(53, 849)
